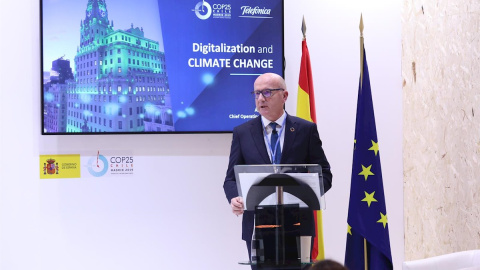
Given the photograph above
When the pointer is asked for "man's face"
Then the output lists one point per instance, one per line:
(270, 107)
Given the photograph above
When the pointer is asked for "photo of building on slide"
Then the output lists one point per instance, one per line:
(117, 81)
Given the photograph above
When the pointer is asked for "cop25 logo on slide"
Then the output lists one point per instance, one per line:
(203, 10)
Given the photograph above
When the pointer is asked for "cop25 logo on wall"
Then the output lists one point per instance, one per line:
(110, 165)
(97, 166)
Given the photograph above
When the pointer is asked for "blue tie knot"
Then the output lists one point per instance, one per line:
(273, 125)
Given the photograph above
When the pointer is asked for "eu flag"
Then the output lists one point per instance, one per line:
(367, 214)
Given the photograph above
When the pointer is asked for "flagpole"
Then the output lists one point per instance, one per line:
(365, 253)
(361, 51)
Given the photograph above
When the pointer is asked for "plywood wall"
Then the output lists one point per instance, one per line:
(441, 104)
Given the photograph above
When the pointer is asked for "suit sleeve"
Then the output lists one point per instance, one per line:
(236, 158)
(317, 156)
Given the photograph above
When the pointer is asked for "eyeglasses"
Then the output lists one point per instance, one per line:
(265, 93)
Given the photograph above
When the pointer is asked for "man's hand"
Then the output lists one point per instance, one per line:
(237, 205)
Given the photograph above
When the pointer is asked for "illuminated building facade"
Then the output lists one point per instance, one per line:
(120, 82)
(55, 101)
(54, 109)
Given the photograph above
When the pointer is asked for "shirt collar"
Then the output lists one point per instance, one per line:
(279, 121)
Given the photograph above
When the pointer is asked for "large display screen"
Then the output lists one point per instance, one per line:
(155, 66)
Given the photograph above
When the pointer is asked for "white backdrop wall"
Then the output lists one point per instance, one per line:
(134, 222)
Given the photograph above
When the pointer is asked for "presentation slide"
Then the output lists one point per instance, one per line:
(155, 66)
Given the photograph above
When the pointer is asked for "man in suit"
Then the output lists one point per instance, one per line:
(298, 143)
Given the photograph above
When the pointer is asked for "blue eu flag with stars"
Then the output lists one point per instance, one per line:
(367, 214)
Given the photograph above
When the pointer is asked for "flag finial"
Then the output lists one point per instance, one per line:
(304, 28)
(361, 25)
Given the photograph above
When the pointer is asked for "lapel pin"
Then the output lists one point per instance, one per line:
(292, 129)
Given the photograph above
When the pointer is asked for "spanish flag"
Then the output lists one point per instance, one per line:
(306, 110)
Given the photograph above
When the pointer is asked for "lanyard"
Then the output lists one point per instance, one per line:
(269, 142)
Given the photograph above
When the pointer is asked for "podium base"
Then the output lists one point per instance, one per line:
(277, 230)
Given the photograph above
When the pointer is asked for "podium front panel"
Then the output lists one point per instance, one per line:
(302, 184)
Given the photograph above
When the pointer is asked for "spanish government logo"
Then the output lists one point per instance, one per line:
(59, 166)
(50, 167)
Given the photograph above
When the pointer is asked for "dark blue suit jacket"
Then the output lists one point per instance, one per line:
(302, 145)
